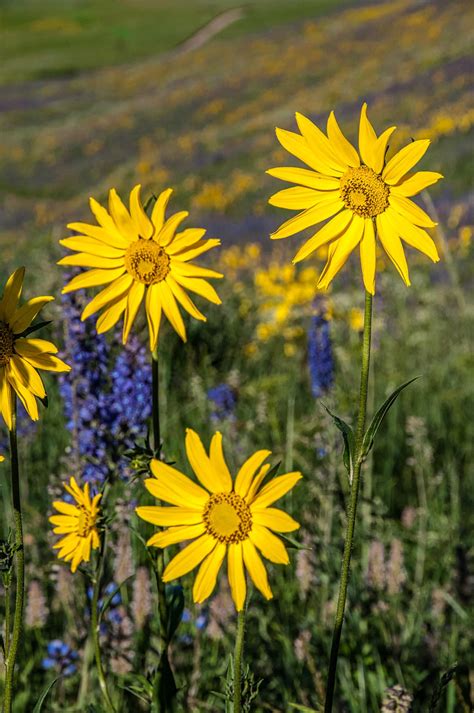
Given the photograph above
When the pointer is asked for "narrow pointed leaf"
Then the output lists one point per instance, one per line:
(371, 432)
(39, 703)
(349, 442)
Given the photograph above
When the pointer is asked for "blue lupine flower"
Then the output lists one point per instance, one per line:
(320, 357)
(61, 657)
(223, 400)
(107, 396)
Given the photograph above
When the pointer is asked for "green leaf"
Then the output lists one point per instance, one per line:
(370, 434)
(305, 709)
(34, 328)
(349, 442)
(293, 544)
(175, 607)
(39, 704)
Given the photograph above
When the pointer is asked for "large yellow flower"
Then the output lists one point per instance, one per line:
(221, 518)
(20, 356)
(78, 524)
(136, 255)
(357, 193)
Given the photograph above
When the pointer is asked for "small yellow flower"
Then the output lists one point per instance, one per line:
(358, 192)
(78, 524)
(222, 518)
(135, 255)
(20, 356)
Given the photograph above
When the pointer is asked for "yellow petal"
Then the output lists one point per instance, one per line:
(256, 482)
(340, 145)
(415, 183)
(256, 569)
(367, 138)
(158, 212)
(417, 238)
(304, 177)
(26, 397)
(199, 286)
(167, 233)
(207, 576)
(134, 300)
(176, 488)
(186, 239)
(6, 403)
(189, 558)
(247, 472)
(34, 347)
(207, 472)
(368, 256)
(321, 147)
(117, 288)
(176, 534)
(297, 198)
(276, 489)
(92, 278)
(216, 455)
(270, 546)
(197, 249)
(343, 248)
(87, 260)
(83, 243)
(110, 233)
(298, 146)
(24, 316)
(66, 508)
(170, 308)
(164, 516)
(142, 222)
(188, 269)
(11, 294)
(184, 300)
(332, 230)
(48, 362)
(411, 211)
(404, 160)
(380, 149)
(274, 519)
(27, 375)
(111, 315)
(153, 314)
(312, 216)
(387, 230)
(121, 216)
(236, 575)
(112, 238)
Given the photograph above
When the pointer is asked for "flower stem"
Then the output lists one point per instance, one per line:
(164, 687)
(20, 569)
(238, 655)
(351, 516)
(95, 627)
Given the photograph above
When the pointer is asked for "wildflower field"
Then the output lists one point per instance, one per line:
(237, 446)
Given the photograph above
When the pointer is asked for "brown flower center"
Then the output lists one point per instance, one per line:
(86, 522)
(7, 340)
(227, 517)
(364, 192)
(147, 262)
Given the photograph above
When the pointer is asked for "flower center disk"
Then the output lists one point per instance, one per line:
(227, 517)
(147, 262)
(7, 340)
(364, 192)
(86, 523)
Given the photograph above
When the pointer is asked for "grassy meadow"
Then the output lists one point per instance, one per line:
(101, 95)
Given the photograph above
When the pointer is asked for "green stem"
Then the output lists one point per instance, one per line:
(354, 495)
(20, 569)
(95, 628)
(164, 683)
(238, 655)
(7, 619)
